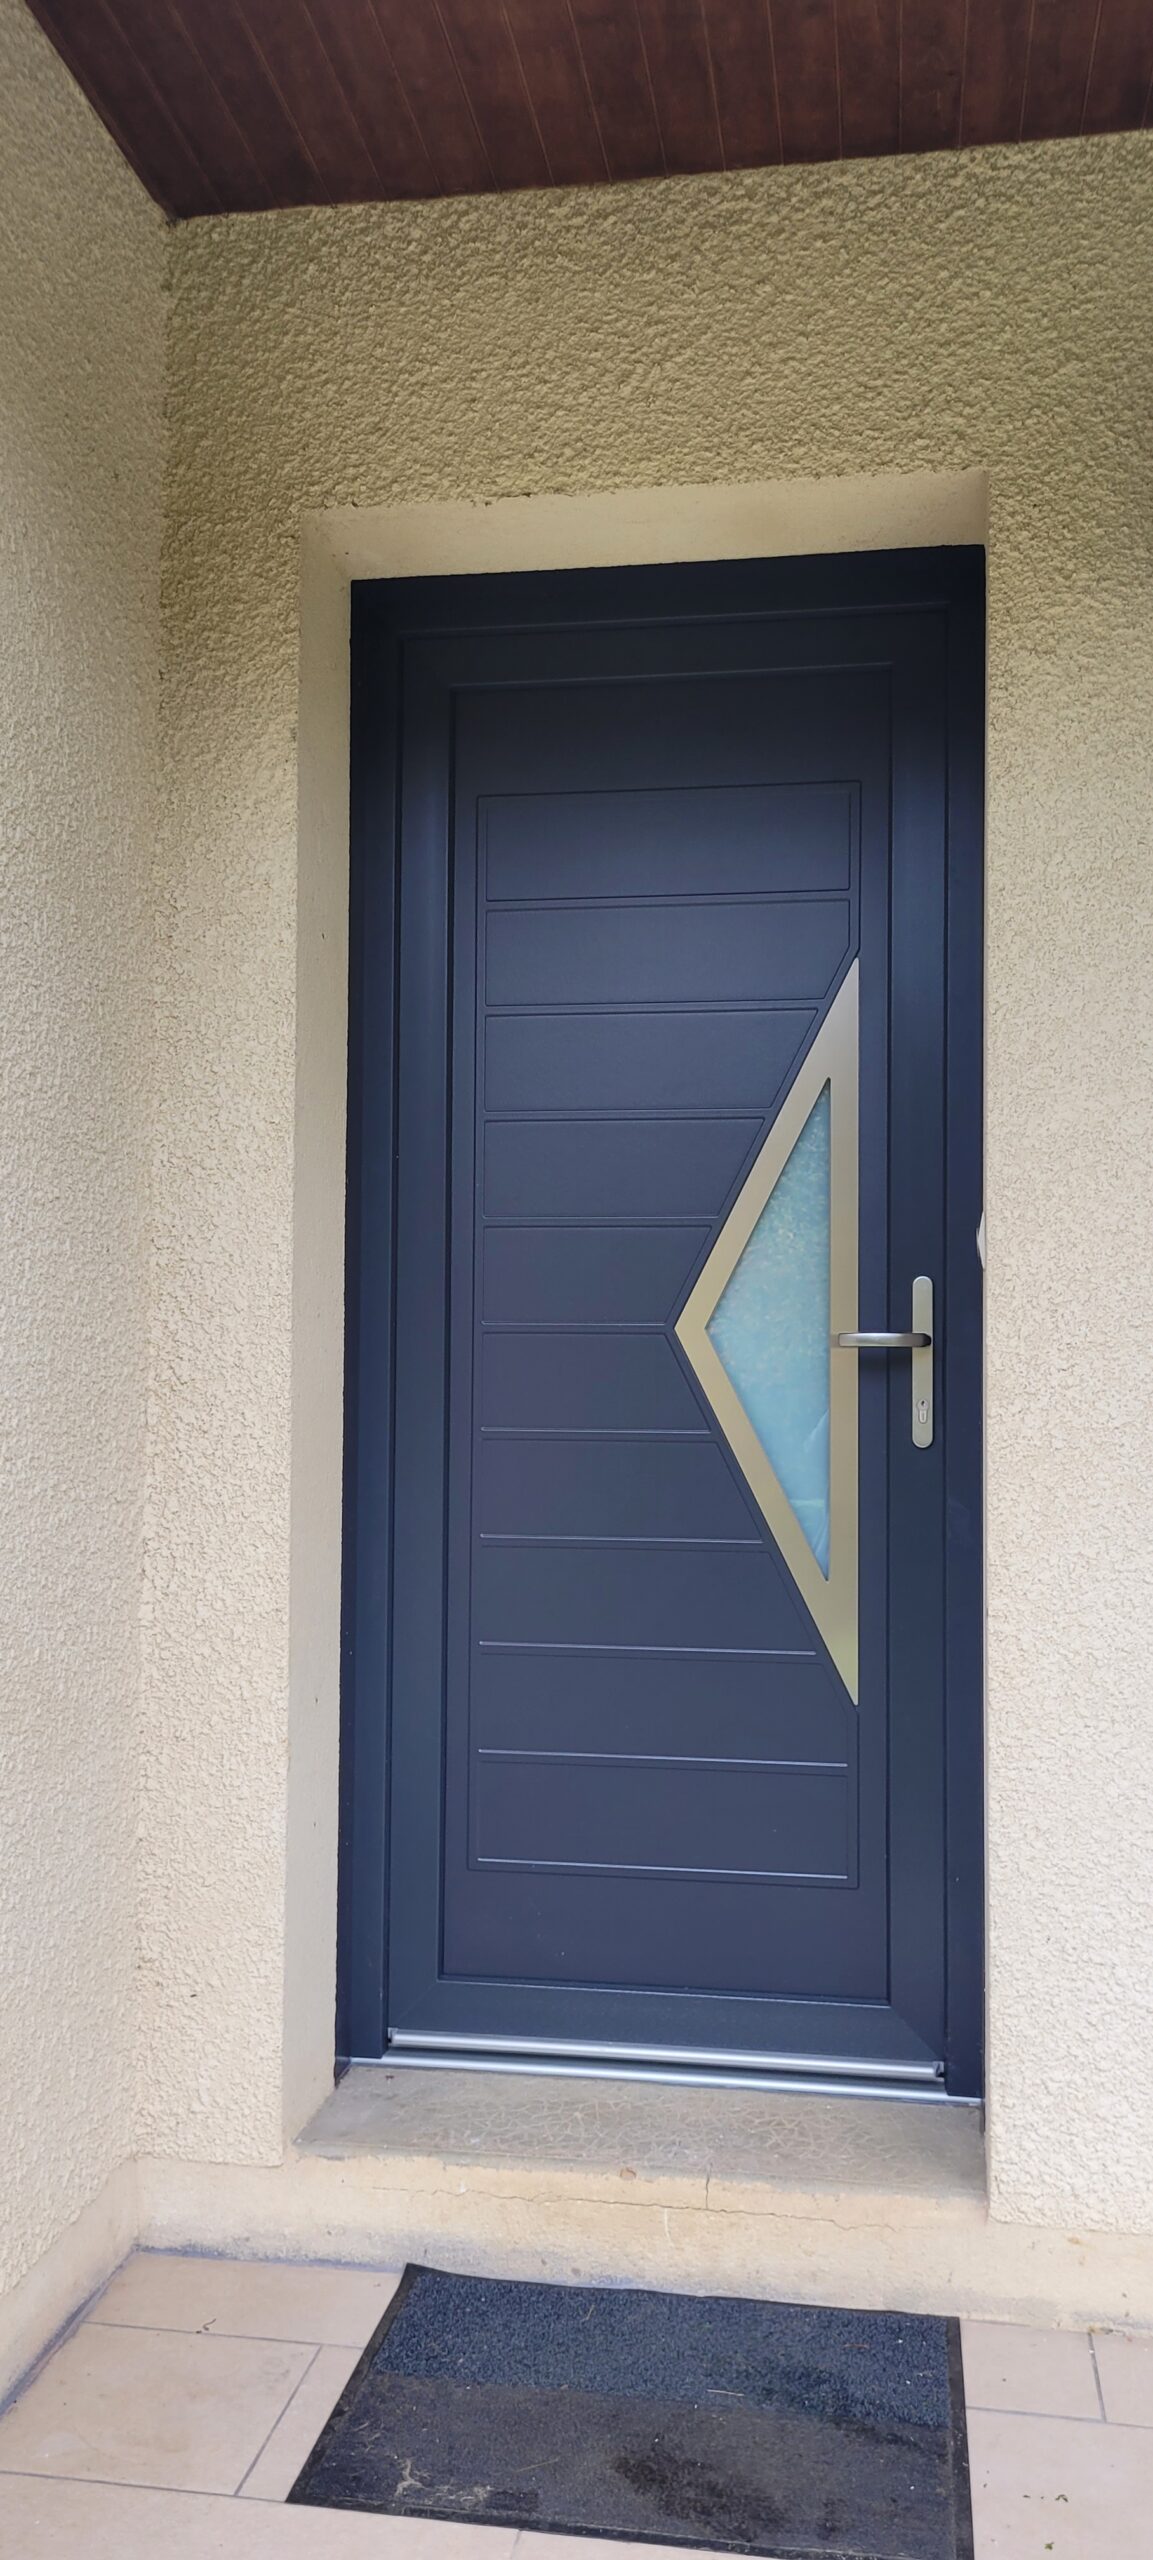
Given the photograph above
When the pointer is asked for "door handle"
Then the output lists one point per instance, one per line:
(920, 1343)
(881, 1341)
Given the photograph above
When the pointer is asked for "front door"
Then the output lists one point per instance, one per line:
(664, 1587)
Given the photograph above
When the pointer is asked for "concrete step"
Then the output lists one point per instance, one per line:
(855, 2200)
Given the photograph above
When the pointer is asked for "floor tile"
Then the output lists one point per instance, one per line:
(1042, 2373)
(1054, 2489)
(295, 2434)
(69, 2520)
(152, 2407)
(1126, 2369)
(248, 2298)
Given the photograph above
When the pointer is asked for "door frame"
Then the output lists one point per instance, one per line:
(948, 579)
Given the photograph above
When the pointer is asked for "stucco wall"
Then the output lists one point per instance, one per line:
(81, 329)
(983, 312)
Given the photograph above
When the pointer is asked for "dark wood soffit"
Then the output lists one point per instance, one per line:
(231, 106)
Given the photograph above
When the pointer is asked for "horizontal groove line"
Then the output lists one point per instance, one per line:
(652, 1652)
(577, 1324)
(643, 900)
(566, 1538)
(547, 1431)
(660, 1760)
(588, 1011)
(656, 1115)
(660, 619)
(630, 1116)
(727, 1875)
(488, 800)
(514, 1225)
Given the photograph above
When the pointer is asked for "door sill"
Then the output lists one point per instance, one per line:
(524, 2132)
(830, 2083)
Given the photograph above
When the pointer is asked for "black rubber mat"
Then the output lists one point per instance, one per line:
(736, 2426)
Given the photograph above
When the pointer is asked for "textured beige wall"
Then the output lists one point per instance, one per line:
(984, 313)
(81, 328)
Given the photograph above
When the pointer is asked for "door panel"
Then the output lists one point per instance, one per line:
(604, 844)
(630, 1816)
(707, 1061)
(739, 952)
(555, 1169)
(608, 1383)
(649, 865)
(597, 1488)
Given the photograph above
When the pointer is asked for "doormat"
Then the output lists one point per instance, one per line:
(729, 2425)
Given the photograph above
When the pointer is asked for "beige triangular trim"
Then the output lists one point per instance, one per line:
(832, 1061)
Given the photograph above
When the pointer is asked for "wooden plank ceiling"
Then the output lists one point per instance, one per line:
(229, 106)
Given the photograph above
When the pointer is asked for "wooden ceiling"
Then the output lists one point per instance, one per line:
(230, 106)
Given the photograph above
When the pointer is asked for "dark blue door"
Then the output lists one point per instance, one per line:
(663, 1590)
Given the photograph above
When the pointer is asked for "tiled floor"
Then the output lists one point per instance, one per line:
(173, 2421)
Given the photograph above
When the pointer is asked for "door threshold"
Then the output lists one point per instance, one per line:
(710, 2058)
(555, 2066)
(559, 2133)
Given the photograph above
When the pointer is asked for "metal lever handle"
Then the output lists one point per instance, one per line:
(882, 1341)
(920, 1343)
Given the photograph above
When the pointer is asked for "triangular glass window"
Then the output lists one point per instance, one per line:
(757, 1327)
(770, 1329)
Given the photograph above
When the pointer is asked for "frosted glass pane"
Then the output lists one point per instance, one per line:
(770, 1329)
